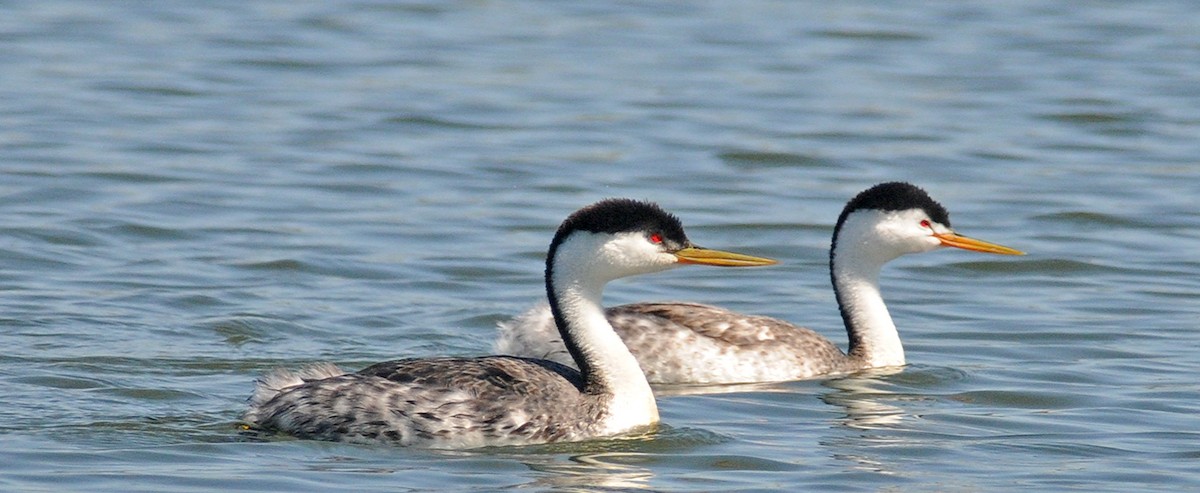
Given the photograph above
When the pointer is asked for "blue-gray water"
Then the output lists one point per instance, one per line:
(192, 193)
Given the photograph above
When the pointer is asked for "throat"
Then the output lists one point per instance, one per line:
(874, 339)
(610, 371)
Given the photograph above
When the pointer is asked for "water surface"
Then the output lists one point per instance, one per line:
(194, 193)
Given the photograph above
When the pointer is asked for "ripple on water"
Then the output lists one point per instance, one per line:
(1046, 266)
(67, 382)
(1023, 399)
(870, 34)
(1093, 219)
(141, 231)
(241, 329)
(753, 160)
(320, 266)
(666, 439)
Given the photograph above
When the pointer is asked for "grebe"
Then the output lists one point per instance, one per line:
(694, 343)
(505, 400)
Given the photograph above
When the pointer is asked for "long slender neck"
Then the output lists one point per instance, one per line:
(873, 336)
(608, 368)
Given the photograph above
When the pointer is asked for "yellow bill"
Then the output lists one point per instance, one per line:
(705, 256)
(965, 243)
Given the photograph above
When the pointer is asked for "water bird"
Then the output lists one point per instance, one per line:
(691, 343)
(455, 402)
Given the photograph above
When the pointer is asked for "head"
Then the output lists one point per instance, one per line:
(615, 238)
(893, 219)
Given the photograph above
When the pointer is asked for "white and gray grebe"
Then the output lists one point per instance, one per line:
(694, 343)
(507, 400)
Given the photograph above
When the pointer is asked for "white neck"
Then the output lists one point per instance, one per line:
(859, 255)
(873, 335)
(610, 369)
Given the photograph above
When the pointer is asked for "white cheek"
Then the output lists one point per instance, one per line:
(630, 253)
(921, 239)
(904, 232)
(898, 233)
(932, 244)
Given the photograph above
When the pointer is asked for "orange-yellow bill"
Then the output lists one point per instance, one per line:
(965, 243)
(705, 256)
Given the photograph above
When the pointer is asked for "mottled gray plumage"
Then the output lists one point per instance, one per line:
(445, 402)
(679, 342)
(780, 350)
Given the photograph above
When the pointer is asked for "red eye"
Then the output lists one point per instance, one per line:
(925, 224)
(655, 238)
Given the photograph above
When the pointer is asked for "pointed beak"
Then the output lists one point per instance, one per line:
(704, 256)
(957, 241)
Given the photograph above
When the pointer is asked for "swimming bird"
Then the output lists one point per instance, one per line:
(697, 343)
(506, 400)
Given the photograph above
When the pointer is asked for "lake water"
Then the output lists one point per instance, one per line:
(193, 193)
